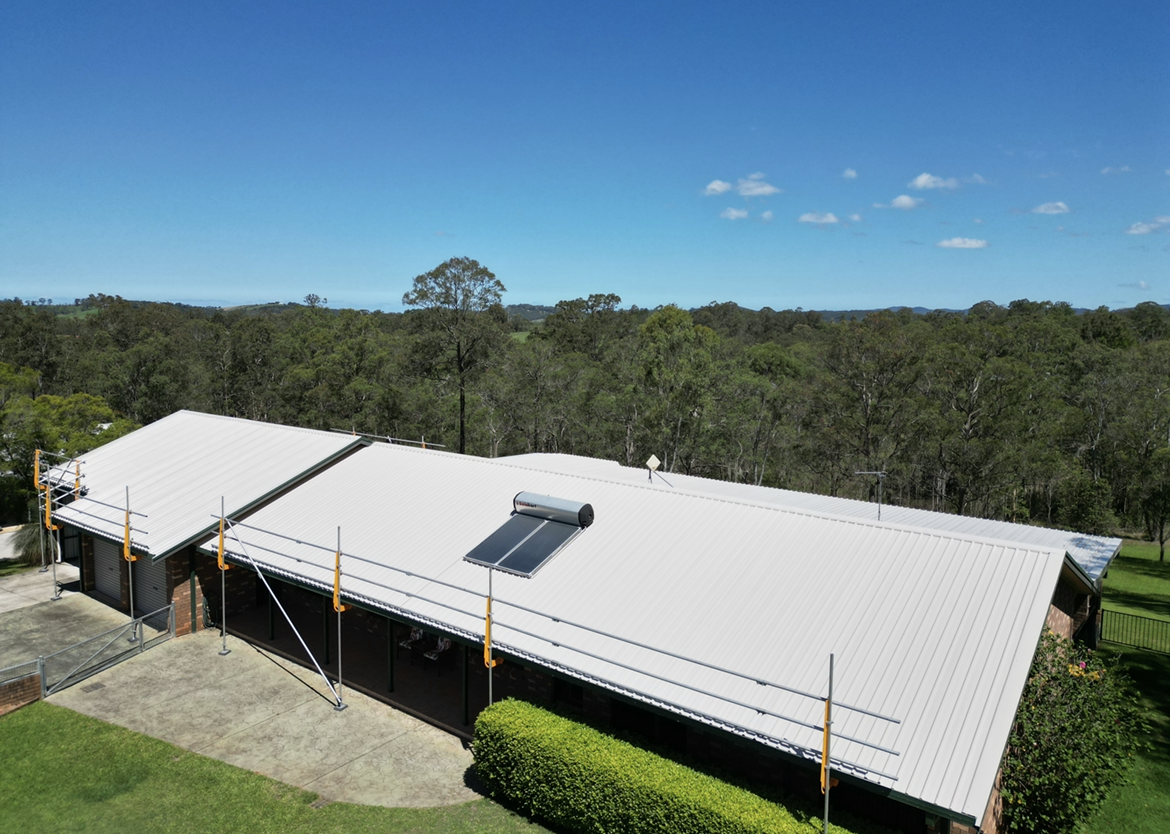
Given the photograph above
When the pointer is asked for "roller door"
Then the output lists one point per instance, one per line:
(107, 568)
(150, 589)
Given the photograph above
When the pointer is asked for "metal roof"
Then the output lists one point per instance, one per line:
(1092, 553)
(669, 593)
(178, 468)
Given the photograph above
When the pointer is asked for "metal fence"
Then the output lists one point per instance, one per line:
(79, 661)
(1132, 630)
(20, 671)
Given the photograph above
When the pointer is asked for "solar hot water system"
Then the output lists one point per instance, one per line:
(539, 528)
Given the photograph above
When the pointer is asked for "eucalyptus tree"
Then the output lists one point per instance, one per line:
(866, 405)
(677, 363)
(460, 323)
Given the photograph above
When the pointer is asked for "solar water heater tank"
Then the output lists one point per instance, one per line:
(553, 509)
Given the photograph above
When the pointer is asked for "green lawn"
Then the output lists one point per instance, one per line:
(63, 771)
(1143, 806)
(1138, 583)
(8, 567)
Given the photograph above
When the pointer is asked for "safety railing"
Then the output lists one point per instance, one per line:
(1137, 631)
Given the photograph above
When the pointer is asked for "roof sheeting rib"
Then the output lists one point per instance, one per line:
(697, 603)
(177, 470)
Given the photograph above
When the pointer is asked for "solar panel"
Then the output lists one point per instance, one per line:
(530, 538)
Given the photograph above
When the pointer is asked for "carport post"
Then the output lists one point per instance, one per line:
(128, 556)
(56, 585)
(338, 607)
(466, 681)
(44, 565)
(390, 652)
(325, 630)
(488, 638)
(223, 568)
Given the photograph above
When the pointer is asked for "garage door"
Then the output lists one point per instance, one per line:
(107, 568)
(150, 589)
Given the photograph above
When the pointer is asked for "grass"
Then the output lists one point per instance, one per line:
(66, 772)
(9, 567)
(1143, 805)
(1139, 584)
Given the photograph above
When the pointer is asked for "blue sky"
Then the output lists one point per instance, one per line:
(816, 155)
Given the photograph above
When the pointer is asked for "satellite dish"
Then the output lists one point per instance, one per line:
(653, 463)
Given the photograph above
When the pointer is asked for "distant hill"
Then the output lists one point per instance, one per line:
(530, 312)
(846, 315)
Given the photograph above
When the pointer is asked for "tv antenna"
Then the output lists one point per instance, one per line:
(652, 464)
(881, 477)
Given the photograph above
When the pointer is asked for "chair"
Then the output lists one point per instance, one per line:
(440, 654)
(417, 635)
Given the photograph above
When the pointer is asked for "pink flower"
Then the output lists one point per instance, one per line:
(1083, 664)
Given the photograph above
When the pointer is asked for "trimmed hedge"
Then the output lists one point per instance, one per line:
(570, 775)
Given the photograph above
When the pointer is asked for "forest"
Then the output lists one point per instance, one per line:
(1030, 412)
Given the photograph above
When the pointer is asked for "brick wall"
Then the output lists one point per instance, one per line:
(123, 583)
(179, 567)
(17, 693)
(239, 583)
(86, 563)
(1062, 611)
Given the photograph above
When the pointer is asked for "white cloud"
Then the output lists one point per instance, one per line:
(905, 202)
(1124, 169)
(1148, 228)
(850, 174)
(1139, 285)
(1047, 175)
(856, 218)
(1051, 208)
(717, 187)
(977, 222)
(733, 214)
(817, 217)
(767, 216)
(962, 243)
(976, 179)
(926, 181)
(754, 186)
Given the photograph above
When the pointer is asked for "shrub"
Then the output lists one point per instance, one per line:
(1077, 729)
(570, 775)
(27, 543)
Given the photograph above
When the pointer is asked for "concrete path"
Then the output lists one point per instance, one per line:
(29, 587)
(259, 712)
(42, 627)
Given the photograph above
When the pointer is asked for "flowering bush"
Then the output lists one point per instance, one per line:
(1077, 729)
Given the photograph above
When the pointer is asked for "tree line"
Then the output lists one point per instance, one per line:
(1025, 412)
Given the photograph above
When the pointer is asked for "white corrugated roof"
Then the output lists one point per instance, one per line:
(178, 468)
(934, 628)
(1092, 553)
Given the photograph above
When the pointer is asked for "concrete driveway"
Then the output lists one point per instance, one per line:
(30, 587)
(259, 712)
